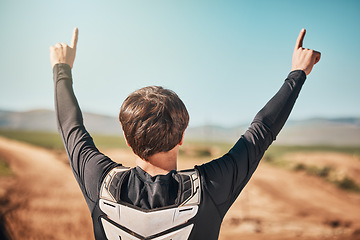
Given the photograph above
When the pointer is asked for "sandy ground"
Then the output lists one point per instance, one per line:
(43, 201)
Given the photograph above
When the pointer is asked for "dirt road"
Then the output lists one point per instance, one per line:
(43, 201)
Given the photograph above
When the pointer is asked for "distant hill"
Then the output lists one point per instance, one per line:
(337, 131)
(44, 120)
(316, 131)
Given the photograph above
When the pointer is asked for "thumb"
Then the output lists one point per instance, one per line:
(317, 56)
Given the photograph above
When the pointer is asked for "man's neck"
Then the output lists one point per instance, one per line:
(160, 163)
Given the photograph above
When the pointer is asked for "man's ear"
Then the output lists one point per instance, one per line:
(126, 139)
(182, 139)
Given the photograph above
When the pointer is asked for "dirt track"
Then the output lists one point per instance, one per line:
(43, 201)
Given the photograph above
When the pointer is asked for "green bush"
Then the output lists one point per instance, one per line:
(348, 184)
(323, 172)
(4, 168)
(300, 167)
(326, 172)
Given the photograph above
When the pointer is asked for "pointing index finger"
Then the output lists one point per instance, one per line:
(299, 41)
(75, 38)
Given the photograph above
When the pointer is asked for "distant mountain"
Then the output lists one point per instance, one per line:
(31, 120)
(331, 131)
(335, 131)
(45, 120)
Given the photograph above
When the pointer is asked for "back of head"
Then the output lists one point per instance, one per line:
(153, 120)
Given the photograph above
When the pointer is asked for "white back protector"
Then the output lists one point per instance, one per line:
(125, 222)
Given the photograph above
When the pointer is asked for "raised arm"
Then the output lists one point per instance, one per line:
(226, 177)
(88, 164)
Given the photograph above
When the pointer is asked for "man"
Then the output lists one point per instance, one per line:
(154, 200)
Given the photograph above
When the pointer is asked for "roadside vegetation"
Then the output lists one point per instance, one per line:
(43, 139)
(329, 174)
(52, 140)
(277, 151)
(202, 150)
(276, 156)
(5, 170)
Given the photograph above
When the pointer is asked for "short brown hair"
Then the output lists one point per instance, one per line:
(153, 120)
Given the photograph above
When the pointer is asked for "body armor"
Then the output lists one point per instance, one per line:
(127, 222)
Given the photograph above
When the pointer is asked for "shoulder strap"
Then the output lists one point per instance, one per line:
(189, 187)
(105, 191)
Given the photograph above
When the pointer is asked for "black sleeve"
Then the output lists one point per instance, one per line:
(88, 164)
(224, 178)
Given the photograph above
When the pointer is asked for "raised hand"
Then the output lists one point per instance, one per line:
(304, 58)
(62, 53)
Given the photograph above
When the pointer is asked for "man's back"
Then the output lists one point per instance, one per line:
(194, 201)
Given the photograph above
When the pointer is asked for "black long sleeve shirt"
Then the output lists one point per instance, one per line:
(222, 179)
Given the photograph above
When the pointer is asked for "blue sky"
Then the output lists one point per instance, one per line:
(225, 59)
